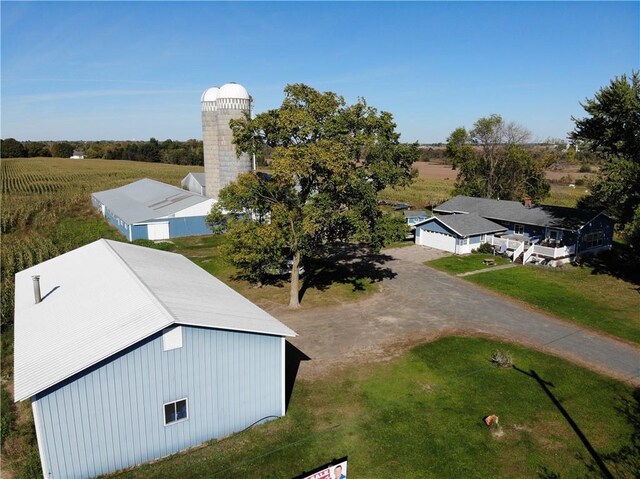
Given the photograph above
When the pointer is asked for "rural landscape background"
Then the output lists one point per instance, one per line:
(47, 212)
(117, 85)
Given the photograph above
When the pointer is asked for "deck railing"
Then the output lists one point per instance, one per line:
(518, 251)
(518, 248)
(554, 252)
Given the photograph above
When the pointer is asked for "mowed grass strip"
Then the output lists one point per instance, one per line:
(599, 301)
(457, 264)
(420, 416)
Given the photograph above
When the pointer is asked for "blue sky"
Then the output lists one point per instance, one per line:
(135, 70)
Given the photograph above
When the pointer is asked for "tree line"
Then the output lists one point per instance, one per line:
(188, 152)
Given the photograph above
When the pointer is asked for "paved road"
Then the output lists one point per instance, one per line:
(420, 303)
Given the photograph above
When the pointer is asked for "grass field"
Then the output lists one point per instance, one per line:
(599, 301)
(427, 192)
(457, 264)
(420, 416)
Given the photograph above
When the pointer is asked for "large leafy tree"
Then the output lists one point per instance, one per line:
(493, 163)
(12, 148)
(328, 162)
(612, 131)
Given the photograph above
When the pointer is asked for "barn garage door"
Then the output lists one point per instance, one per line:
(157, 231)
(438, 240)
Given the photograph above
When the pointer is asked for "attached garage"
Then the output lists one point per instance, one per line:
(436, 239)
(459, 233)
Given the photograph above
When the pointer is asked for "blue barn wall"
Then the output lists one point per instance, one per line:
(189, 226)
(139, 232)
(111, 416)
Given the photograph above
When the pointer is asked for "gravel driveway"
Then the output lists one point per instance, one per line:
(421, 303)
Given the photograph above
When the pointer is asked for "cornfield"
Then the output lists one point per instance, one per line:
(39, 193)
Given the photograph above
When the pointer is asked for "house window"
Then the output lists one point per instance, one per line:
(175, 412)
(594, 239)
(518, 229)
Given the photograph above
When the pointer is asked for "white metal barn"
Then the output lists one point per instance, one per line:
(149, 209)
(134, 353)
(194, 182)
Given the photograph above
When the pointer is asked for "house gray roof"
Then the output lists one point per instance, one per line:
(106, 296)
(466, 224)
(514, 211)
(146, 199)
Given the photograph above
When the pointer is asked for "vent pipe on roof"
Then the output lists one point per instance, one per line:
(36, 288)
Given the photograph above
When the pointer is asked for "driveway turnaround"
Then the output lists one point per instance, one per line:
(421, 303)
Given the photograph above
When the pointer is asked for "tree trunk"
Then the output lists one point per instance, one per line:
(294, 291)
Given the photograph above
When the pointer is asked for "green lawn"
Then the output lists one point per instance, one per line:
(599, 301)
(420, 416)
(457, 264)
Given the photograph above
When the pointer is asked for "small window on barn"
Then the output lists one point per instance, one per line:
(172, 338)
(175, 412)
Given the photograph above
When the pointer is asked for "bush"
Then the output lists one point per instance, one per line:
(585, 168)
(501, 359)
(485, 248)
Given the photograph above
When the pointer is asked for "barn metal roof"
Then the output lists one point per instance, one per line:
(514, 211)
(106, 296)
(146, 199)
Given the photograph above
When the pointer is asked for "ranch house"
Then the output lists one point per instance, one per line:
(527, 233)
(130, 354)
(149, 209)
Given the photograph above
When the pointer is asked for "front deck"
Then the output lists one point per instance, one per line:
(517, 246)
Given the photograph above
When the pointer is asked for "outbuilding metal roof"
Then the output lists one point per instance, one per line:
(466, 224)
(146, 199)
(106, 296)
(514, 211)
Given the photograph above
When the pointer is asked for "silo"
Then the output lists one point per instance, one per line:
(219, 106)
(210, 138)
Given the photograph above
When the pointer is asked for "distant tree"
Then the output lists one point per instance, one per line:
(62, 149)
(493, 163)
(612, 132)
(328, 162)
(38, 149)
(95, 150)
(12, 148)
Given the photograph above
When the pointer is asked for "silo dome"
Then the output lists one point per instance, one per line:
(233, 90)
(210, 94)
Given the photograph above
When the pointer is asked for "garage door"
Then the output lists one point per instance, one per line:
(157, 231)
(438, 240)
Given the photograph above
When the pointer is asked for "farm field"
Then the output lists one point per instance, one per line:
(420, 416)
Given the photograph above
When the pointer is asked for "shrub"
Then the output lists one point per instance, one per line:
(502, 359)
(585, 168)
(485, 248)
